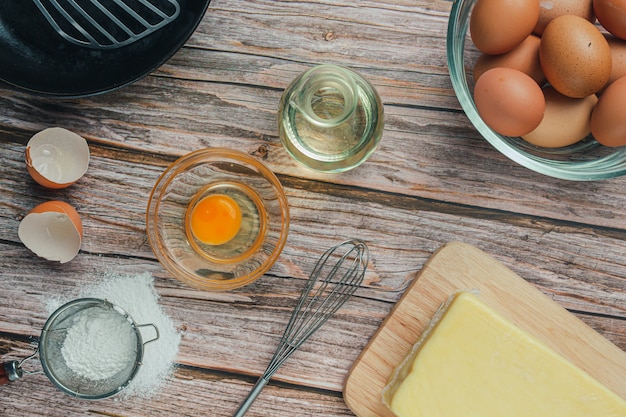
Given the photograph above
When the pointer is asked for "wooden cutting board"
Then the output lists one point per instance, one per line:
(458, 266)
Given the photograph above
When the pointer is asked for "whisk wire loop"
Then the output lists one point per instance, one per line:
(318, 302)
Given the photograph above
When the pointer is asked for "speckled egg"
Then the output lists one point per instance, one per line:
(575, 56)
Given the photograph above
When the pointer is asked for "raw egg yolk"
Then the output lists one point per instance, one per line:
(216, 219)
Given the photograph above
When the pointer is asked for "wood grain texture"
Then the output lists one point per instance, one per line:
(433, 180)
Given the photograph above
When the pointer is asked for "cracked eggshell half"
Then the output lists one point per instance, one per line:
(53, 231)
(56, 157)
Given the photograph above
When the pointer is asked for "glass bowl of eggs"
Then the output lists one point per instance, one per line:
(581, 159)
(217, 219)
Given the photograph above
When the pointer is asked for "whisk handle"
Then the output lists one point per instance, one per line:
(10, 371)
(243, 408)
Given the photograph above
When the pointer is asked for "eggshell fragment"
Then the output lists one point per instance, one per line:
(56, 157)
(608, 120)
(53, 231)
(565, 121)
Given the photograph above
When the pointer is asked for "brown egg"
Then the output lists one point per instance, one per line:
(575, 56)
(550, 9)
(565, 121)
(618, 58)
(608, 120)
(612, 16)
(524, 57)
(509, 101)
(498, 26)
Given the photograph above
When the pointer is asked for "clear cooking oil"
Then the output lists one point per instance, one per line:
(330, 119)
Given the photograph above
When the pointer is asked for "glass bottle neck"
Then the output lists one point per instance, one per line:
(327, 96)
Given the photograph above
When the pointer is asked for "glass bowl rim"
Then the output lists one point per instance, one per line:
(213, 154)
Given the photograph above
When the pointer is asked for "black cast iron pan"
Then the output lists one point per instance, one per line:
(35, 58)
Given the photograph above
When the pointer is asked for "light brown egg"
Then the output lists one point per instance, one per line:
(524, 57)
(550, 9)
(565, 121)
(612, 16)
(498, 26)
(509, 101)
(52, 230)
(575, 56)
(608, 120)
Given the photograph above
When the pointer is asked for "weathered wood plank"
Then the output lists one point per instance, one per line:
(189, 393)
(401, 230)
(187, 112)
(449, 162)
(401, 48)
(432, 180)
(577, 269)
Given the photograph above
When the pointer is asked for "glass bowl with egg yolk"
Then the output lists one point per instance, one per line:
(586, 160)
(217, 219)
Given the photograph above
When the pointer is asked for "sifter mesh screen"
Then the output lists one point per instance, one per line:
(53, 338)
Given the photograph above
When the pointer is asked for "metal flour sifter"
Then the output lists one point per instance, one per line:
(54, 336)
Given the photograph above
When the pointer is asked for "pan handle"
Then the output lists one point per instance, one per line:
(10, 371)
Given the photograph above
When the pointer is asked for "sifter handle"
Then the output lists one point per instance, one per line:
(10, 371)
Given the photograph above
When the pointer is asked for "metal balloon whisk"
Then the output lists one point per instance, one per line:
(328, 288)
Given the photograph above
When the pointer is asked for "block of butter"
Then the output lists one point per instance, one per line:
(472, 362)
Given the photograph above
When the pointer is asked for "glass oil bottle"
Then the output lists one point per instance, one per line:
(330, 119)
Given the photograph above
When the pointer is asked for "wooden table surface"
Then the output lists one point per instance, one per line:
(432, 180)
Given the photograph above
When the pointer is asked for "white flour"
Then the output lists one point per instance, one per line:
(99, 344)
(136, 295)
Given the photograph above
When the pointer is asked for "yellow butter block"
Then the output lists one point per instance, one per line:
(474, 363)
